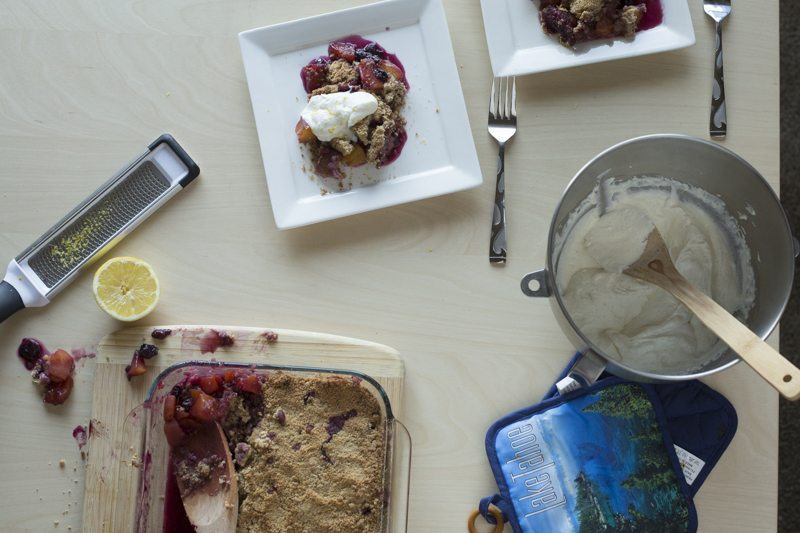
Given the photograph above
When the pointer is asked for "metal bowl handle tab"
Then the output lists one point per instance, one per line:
(585, 372)
(535, 284)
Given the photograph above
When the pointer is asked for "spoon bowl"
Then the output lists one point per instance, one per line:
(213, 505)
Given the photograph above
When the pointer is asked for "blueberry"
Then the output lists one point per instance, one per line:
(161, 334)
(307, 396)
(30, 350)
(225, 339)
(560, 22)
(381, 74)
(375, 49)
(148, 351)
(186, 402)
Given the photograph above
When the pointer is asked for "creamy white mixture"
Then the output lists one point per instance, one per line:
(618, 238)
(330, 116)
(634, 321)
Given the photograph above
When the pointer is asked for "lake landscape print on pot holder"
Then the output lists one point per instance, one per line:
(595, 463)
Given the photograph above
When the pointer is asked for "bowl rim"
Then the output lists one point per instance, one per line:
(550, 267)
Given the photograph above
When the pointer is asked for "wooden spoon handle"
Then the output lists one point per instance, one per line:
(771, 365)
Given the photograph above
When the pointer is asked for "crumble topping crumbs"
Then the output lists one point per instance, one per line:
(575, 21)
(194, 472)
(586, 9)
(316, 464)
(340, 71)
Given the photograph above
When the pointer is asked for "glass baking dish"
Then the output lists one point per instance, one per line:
(148, 423)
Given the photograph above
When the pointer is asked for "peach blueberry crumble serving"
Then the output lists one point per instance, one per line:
(355, 95)
(576, 21)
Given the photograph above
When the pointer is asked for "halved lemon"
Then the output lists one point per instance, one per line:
(126, 288)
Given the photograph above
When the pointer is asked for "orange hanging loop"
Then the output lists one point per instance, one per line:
(495, 512)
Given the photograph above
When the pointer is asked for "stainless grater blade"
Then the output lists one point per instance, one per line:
(88, 233)
(96, 225)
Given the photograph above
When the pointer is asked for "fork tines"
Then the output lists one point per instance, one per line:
(503, 99)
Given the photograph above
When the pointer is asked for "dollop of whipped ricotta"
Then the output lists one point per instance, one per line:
(634, 321)
(618, 238)
(330, 116)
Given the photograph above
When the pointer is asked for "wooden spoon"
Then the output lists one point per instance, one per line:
(214, 506)
(655, 266)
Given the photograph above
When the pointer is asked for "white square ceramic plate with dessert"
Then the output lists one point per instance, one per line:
(439, 156)
(518, 45)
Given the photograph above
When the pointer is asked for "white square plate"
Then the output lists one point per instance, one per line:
(518, 45)
(439, 157)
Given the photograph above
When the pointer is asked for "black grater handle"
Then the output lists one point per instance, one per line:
(10, 300)
(170, 141)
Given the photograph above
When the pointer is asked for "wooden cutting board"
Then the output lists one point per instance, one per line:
(111, 479)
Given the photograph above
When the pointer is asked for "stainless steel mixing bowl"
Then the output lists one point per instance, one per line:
(710, 167)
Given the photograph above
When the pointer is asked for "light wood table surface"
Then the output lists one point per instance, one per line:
(85, 85)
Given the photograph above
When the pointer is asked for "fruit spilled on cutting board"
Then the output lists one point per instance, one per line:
(52, 372)
(138, 366)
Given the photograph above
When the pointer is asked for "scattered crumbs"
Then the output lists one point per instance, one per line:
(437, 109)
(430, 250)
(168, 94)
(55, 523)
(49, 463)
(62, 463)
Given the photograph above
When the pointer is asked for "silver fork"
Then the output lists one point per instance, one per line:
(719, 11)
(502, 126)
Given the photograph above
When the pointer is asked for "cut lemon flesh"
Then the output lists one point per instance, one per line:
(126, 288)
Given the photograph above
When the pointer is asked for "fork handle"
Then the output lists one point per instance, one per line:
(719, 115)
(497, 245)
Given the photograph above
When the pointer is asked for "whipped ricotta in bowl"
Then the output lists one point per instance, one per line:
(633, 321)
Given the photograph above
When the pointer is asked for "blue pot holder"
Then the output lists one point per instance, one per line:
(614, 456)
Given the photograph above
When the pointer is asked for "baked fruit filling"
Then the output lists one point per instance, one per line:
(355, 95)
(576, 21)
(309, 452)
